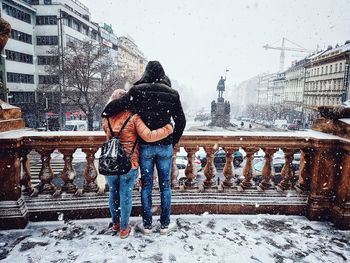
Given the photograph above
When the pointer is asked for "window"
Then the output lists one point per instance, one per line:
(47, 60)
(20, 36)
(322, 71)
(67, 21)
(18, 56)
(48, 79)
(330, 69)
(76, 25)
(85, 30)
(16, 13)
(326, 71)
(340, 67)
(20, 78)
(23, 97)
(47, 2)
(71, 40)
(46, 20)
(93, 34)
(336, 67)
(318, 71)
(47, 40)
(33, 2)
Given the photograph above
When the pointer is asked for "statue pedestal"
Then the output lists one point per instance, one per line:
(220, 114)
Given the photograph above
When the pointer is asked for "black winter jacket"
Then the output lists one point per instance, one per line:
(155, 101)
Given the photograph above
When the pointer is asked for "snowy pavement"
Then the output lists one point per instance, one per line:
(203, 238)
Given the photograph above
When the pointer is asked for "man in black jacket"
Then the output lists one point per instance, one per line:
(156, 103)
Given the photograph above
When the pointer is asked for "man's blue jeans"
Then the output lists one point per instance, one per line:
(120, 197)
(161, 156)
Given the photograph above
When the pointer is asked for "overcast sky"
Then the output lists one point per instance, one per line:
(196, 40)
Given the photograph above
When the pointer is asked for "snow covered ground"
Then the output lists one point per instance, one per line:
(204, 238)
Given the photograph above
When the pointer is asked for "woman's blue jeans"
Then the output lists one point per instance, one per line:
(161, 156)
(120, 197)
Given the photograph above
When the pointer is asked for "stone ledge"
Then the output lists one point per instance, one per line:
(8, 111)
(46, 207)
(13, 124)
(13, 214)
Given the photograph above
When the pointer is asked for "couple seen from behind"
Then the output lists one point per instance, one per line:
(143, 116)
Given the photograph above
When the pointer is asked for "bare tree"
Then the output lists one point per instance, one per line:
(87, 76)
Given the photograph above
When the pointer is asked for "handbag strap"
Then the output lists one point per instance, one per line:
(124, 124)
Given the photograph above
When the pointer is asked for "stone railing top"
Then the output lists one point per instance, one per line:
(6, 106)
(241, 135)
(345, 120)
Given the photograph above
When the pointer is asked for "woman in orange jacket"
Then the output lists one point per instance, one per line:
(120, 187)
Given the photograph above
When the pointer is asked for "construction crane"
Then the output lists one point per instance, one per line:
(283, 48)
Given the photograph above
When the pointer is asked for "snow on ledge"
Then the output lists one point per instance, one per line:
(307, 134)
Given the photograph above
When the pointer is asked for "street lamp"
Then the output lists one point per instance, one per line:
(4, 79)
(61, 65)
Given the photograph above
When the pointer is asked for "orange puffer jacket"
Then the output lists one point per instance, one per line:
(135, 127)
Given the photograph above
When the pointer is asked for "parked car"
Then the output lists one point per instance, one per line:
(277, 166)
(293, 127)
(182, 160)
(220, 159)
(75, 125)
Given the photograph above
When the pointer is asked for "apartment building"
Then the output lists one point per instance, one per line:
(18, 57)
(276, 89)
(38, 27)
(264, 88)
(294, 89)
(131, 60)
(326, 79)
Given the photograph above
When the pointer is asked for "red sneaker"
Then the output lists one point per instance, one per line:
(115, 227)
(124, 233)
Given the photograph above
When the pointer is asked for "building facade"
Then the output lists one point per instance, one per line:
(294, 90)
(38, 27)
(131, 60)
(276, 89)
(18, 57)
(326, 80)
(265, 84)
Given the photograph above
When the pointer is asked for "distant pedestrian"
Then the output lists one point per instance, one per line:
(250, 125)
(242, 124)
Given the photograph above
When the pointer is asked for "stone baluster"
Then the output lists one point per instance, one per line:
(287, 170)
(228, 168)
(190, 171)
(90, 172)
(174, 169)
(46, 174)
(341, 208)
(248, 170)
(306, 160)
(325, 170)
(209, 169)
(26, 179)
(68, 173)
(266, 171)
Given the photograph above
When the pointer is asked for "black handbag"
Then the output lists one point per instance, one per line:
(114, 160)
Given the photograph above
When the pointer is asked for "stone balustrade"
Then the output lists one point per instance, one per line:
(320, 190)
